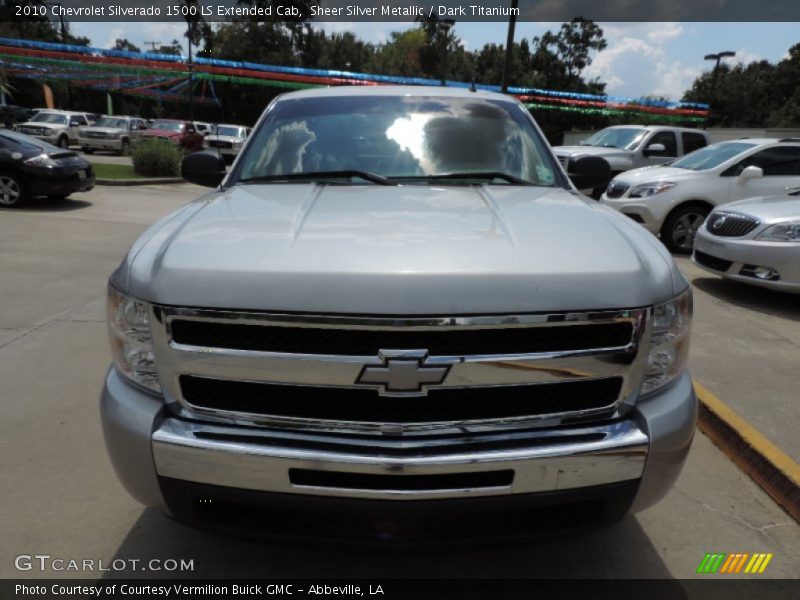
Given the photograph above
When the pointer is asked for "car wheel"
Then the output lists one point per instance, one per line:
(681, 226)
(63, 142)
(88, 151)
(126, 148)
(12, 190)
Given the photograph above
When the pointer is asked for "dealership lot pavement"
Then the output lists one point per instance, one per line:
(60, 496)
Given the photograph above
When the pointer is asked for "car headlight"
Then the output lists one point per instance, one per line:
(131, 340)
(669, 344)
(41, 161)
(651, 189)
(781, 232)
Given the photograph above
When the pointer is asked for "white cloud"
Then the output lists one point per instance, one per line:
(745, 57)
(673, 79)
(665, 32)
(115, 34)
(610, 64)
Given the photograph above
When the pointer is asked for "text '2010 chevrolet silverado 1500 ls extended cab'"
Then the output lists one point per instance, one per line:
(395, 317)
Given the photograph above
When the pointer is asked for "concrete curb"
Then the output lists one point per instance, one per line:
(763, 461)
(149, 181)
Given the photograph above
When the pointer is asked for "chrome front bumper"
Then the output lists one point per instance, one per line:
(541, 461)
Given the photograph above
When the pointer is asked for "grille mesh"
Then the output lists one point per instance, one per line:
(712, 262)
(727, 224)
(365, 405)
(616, 189)
(365, 342)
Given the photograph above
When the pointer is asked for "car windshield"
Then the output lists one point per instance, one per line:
(113, 122)
(411, 138)
(167, 125)
(229, 131)
(711, 156)
(55, 118)
(626, 138)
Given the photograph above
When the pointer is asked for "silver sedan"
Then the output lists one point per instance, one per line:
(755, 241)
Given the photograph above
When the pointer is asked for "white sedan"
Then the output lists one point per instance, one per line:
(755, 241)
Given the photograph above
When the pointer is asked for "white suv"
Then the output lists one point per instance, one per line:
(57, 127)
(673, 200)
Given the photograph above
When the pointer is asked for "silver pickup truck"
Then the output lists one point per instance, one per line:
(395, 318)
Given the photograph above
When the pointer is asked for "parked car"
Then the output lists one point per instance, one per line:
(10, 115)
(58, 127)
(182, 133)
(627, 147)
(112, 133)
(227, 140)
(30, 168)
(675, 199)
(754, 241)
(395, 316)
(203, 128)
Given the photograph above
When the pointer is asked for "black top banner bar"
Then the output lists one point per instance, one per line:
(406, 10)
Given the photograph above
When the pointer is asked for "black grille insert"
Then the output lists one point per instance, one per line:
(726, 224)
(367, 342)
(712, 262)
(616, 189)
(367, 406)
(364, 481)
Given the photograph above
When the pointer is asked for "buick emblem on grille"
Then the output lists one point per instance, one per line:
(402, 372)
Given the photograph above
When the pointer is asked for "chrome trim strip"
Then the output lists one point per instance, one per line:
(619, 455)
(174, 360)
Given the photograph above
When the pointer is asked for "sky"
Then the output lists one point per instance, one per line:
(641, 59)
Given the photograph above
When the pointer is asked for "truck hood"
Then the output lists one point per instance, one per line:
(589, 151)
(767, 208)
(412, 249)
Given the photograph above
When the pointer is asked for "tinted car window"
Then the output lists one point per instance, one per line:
(693, 141)
(711, 156)
(777, 161)
(398, 136)
(668, 139)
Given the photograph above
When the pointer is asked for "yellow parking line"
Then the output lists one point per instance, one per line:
(754, 438)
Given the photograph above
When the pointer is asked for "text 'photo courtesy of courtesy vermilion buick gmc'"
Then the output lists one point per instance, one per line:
(396, 318)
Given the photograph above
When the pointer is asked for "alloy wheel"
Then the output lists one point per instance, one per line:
(685, 228)
(10, 191)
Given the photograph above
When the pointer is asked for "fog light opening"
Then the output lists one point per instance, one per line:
(763, 273)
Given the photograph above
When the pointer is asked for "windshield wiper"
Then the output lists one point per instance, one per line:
(366, 175)
(472, 175)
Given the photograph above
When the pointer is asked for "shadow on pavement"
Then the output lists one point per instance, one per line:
(620, 551)
(782, 304)
(46, 205)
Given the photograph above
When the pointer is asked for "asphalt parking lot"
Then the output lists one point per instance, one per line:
(61, 497)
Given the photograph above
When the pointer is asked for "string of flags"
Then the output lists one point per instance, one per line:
(172, 78)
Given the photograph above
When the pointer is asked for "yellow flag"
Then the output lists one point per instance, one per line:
(48, 96)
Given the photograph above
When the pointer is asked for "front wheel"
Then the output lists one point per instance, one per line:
(126, 148)
(681, 226)
(12, 190)
(63, 142)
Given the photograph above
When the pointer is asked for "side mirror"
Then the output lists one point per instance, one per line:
(654, 149)
(751, 172)
(203, 168)
(589, 172)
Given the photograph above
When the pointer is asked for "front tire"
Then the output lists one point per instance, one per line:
(126, 148)
(63, 142)
(681, 226)
(12, 190)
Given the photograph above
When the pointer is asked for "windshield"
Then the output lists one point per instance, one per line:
(115, 123)
(398, 137)
(54, 118)
(167, 125)
(626, 138)
(711, 156)
(229, 131)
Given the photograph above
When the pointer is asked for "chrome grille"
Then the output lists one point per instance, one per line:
(730, 224)
(616, 189)
(304, 371)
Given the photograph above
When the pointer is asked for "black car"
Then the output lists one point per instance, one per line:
(10, 115)
(30, 168)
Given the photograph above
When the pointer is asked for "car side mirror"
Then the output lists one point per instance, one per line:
(203, 168)
(654, 149)
(751, 172)
(589, 172)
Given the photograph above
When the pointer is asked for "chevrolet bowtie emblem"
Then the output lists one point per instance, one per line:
(402, 372)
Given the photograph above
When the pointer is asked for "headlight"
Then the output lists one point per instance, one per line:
(41, 161)
(131, 340)
(782, 232)
(651, 189)
(669, 344)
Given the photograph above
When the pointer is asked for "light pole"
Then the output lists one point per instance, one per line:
(446, 24)
(63, 41)
(512, 22)
(718, 56)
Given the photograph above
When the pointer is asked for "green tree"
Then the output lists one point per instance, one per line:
(124, 44)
